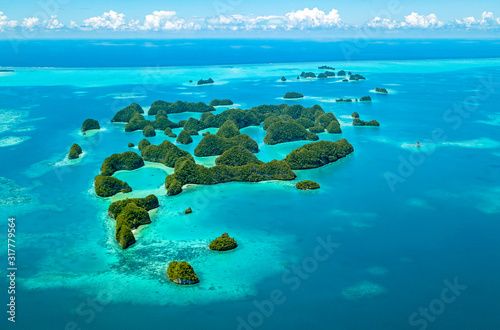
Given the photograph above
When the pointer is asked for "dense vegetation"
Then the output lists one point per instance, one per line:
(130, 145)
(90, 124)
(365, 99)
(325, 67)
(381, 90)
(330, 73)
(215, 145)
(356, 77)
(106, 186)
(359, 122)
(125, 114)
(341, 73)
(149, 131)
(293, 95)
(308, 75)
(322, 76)
(355, 115)
(184, 138)
(178, 107)
(316, 129)
(307, 185)
(287, 131)
(148, 203)
(223, 243)
(125, 161)
(228, 130)
(166, 153)
(75, 151)
(237, 156)
(187, 172)
(181, 273)
(217, 102)
(205, 81)
(317, 154)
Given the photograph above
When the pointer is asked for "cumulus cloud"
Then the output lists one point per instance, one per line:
(30, 23)
(486, 21)
(420, 21)
(110, 20)
(53, 23)
(313, 18)
(5, 24)
(386, 23)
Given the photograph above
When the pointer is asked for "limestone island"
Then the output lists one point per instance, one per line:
(178, 107)
(75, 151)
(307, 185)
(217, 102)
(359, 122)
(128, 160)
(165, 153)
(181, 273)
(107, 186)
(356, 77)
(149, 131)
(205, 81)
(184, 138)
(188, 211)
(168, 132)
(223, 243)
(365, 99)
(318, 154)
(287, 131)
(381, 90)
(131, 145)
(237, 156)
(341, 73)
(293, 95)
(90, 124)
(307, 75)
(325, 67)
(125, 114)
(355, 115)
(148, 203)
(322, 76)
(329, 73)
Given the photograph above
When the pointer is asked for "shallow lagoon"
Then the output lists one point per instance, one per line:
(393, 249)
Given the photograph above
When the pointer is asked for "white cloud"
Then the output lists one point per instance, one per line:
(487, 18)
(466, 21)
(5, 24)
(313, 18)
(420, 21)
(386, 23)
(53, 23)
(30, 23)
(111, 20)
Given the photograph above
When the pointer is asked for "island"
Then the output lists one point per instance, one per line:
(107, 186)
(188, 211)
(215, 145)
(131, 145)
(306, 122)
(322, 76)
(75, 151)
(223, 243)
(330, 73)
(293, 95)
(128, 160)
(90, 124)
(341, 73)
(317, 154)
(188, 172)
(355, 115)
(228, 129)
(237, 156)
(217, 102)
(181, 273)
(287, 131)
(381, 90)
(149, 131)
(344, 80)
(148, 203)
(307, 185)
(205, 81)
(308, 75)
(178, 107)
(168, 132)
(317, 129)
(165, 153)
(365, 99)
(125, 114)
(184, 138)
(359, 122)
(325, 67)
(283, 78)
(356, 77)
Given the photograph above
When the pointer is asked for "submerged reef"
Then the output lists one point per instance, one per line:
(181, 273)
(307, 185)
(223, 243)
(317, 154)
(90, 124)
(106, 186)
(75, 151)
(293, 95)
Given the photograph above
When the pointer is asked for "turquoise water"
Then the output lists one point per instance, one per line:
(401, 220)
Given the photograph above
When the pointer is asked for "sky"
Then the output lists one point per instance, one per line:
(192, 18)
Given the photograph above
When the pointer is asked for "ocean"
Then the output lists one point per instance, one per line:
(397, 237)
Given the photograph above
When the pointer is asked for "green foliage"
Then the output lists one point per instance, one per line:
(124, 235)
(130, 145)
(237, 156)
(178, 107)
(322, 76)
(187, 172)
(228, 129)
(161, 113)
(143, 144)
(214, 145)
(341, 73)
(166, 153)
(205, 81)
(90, 124)
(163, 123)
(317, 154)
(149, 131)
(356, 77)
(307, 123)
(158, 106)
(125, 161)
(365, 99)
(223, 243)
(194, 124)
(148, 203)
(133, 215)
(137, 122)
(325, 119)
(74, 151)
(372, 123)
(334, 127)
(381, 90)
(184, 138)
(307, 185)
(355, 115)
(359, 122)
(242, 118)
(106, 186)
(280, 132)
(293, 95)
(125, 114)
(307, 75)
(326, 67)
(283, 78)
(181, 273)
(217, 102)
(316, 129)
(329, 73)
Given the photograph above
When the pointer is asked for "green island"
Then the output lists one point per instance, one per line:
(165, 153)
(293, 95)
(317, 154)
(168, 132)
(178, 107)
(322, 76)
(325, 67)
(149, 131)
(329, 74)
(75, 151)
(125, 114)
(148, 203)
(308, 75)
(215, 145)
(90, 124)
(341, 73)
(307, 185)
(381, 90)
(237, 156)
(181, 273)
(223, 243)
(365, 99)
(355, 115)
(356, 77)
(359, 122)
(283, 78)
(128, 160)
(205, 81)
(184, 137)
(188, 211)
(130, 145)
(107, 186)
(287, 131)
(217, 102)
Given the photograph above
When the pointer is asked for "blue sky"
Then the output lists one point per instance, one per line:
(104, 18)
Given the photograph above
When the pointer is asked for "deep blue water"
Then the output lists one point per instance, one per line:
(394, 247)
